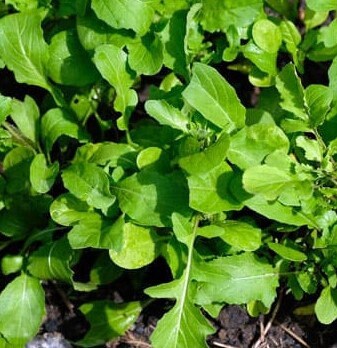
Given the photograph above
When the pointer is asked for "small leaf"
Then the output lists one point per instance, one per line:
(5, 107)
(128, 14)
(108, 320)
(311, 147)
(292, 39)
(89, 183)
(52, 261)
(42, 176)
(266, 180)
(26, 115)
(167, 114)
(287, 252)
(148, 198)
(22, 310)
(139, 247)
(211, 95)
(290, 88)
(326, 306)
(236, 279)
(209, 192)
(58, 122)
(267, 35)
(322, 5)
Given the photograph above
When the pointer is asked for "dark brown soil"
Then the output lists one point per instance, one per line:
(235, 328)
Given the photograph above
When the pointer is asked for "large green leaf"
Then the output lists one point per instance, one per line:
(174, 330)
(23, 49)
(108, 320)
(59, 122)
(148, 198)
(252, 144)
(89, 183)
(51, 261)
(68, 62)
(129, 14)
(42, 176)
(210, 94)
(22, 310)
(219, 14)
(236, 279)
(209, 192)
(26, 115)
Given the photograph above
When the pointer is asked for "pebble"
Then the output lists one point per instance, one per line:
(49, 340)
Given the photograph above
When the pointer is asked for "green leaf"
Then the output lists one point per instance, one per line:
(67, 210)
(252, 144)
(268, 181)
(322, 5)
(311, 147)
(205, 161)
(23, 5)
(328, 34)
(174, 328)
(59, 122)
(287, 252)
(11, 264)
(313, 19)
(264, 60)
(211, 95)
(128, 14)
(51, 261)
(318, 99)
(217, 14)
(42, 176)
(236, 279)
(241, 235)
(111, 61)
(148, 198)
(267, 35)
(167, 114)
(326, 306)
(146, 54)
(292, 38)
(22, 310)
(23, 49)
(209, 192)
(154, 158)
(89, 183)
(139, 247)
(290, 88)
(108, 320)
(5, 107)
(68, 62)
(26, 116)
(16, 167)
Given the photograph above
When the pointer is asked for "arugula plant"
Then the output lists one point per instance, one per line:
(237, 199)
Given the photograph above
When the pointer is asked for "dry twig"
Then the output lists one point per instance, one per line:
(293, 335)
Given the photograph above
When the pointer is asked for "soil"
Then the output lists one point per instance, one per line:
(234, 327)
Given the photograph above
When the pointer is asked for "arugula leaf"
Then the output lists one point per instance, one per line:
(148, 198)
(139, 247)
(211, 95)
(209, 192)
(287, 252)
(146, 54)
(216, 14)
(267, 35)
(108, 320)
(23, 49)
(90, 183)
(5, 107)
(326, 308)
(311, 147)
(174, 329)
(322, 5)
(26, 116)
(167, 114)
(68, 62)
(22, 309)
(235, 279)
(59, 122)
(128, 14)
(51, 261)
(42, 176)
